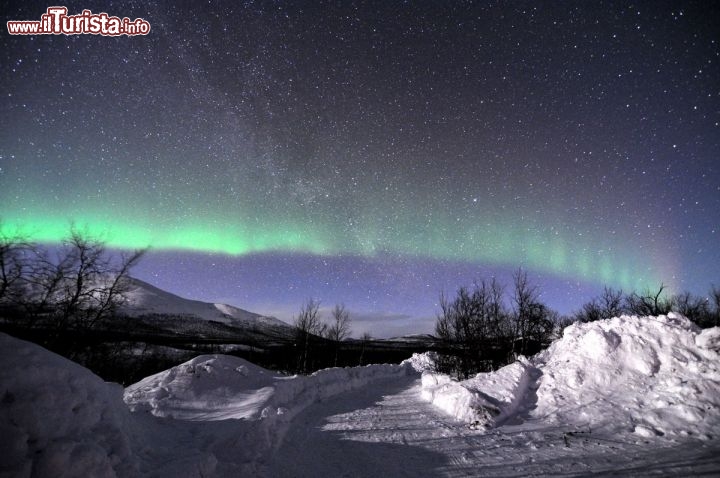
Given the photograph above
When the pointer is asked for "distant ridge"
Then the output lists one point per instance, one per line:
(143, 299)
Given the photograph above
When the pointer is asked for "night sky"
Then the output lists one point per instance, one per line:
(375, 153)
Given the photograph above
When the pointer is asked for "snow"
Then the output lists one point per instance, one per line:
(485, 400)
(389, 430)
(59, 419)
(424, 362)
(628, 396)
(219, 387)
(639, 374)
(652, 376)
(144, 299)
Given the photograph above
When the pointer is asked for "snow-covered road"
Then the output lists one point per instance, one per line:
(389, 430)
(374, 431)
(627, 396)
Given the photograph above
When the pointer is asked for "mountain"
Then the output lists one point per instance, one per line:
(163, 310)
(145, 299)
(414, 338)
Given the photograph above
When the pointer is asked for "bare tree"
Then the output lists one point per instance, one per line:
(649, 303)
(590, 312)
(79, 287)
(694, 308)
(307, 324)
(339, 328)
(612, 302)
(607, 306)
(15, 250)
(461, 326)
(470, 326)
(532, 321)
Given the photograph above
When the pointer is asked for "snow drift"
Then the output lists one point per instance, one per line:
(59, 419)
(654, 376)
(217, 387)
(648, 375)
(650, 379)
(485, 400)
(210, 391)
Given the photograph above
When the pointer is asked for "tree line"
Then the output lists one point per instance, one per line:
(483, 328)
(703, 311)
(318, 342)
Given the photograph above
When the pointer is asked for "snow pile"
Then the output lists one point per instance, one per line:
(483, 401)
(208, 387)
(653, 376)
(424, 362)
(245, 410)
(219, 387)
(59, 419)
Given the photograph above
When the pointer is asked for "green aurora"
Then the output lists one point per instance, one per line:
(506, 244)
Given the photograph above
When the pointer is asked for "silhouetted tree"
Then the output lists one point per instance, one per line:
(608, 305)
(693, 307)
(471, 326)
(648, 304)
(15, 252)
(364, 342)
(715, 308)
(65, 293)
(80, 288)
(339, 328)
(307, 324)
(703, 311)
(532, 319)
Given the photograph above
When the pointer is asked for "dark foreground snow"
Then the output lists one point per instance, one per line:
(635, 396)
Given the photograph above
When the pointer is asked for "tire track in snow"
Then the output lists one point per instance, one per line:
(387, 429)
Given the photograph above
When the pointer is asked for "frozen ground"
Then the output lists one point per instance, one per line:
(389, 430)
(625, 396)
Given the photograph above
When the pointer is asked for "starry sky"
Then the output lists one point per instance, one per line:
(375, 152)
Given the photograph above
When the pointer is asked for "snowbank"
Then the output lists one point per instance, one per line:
(208, 387)
(219, 387)
(654, 376)
(485, 400)
(59, 419)
(218, 415)
(424, 362)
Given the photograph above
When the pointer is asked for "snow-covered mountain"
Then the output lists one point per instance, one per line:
(147, 302)
(162, 314)
(414, 338)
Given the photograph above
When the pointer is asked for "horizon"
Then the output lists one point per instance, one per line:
(380, 323)
(373, 153)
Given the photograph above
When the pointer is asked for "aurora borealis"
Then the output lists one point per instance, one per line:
(374, 153)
